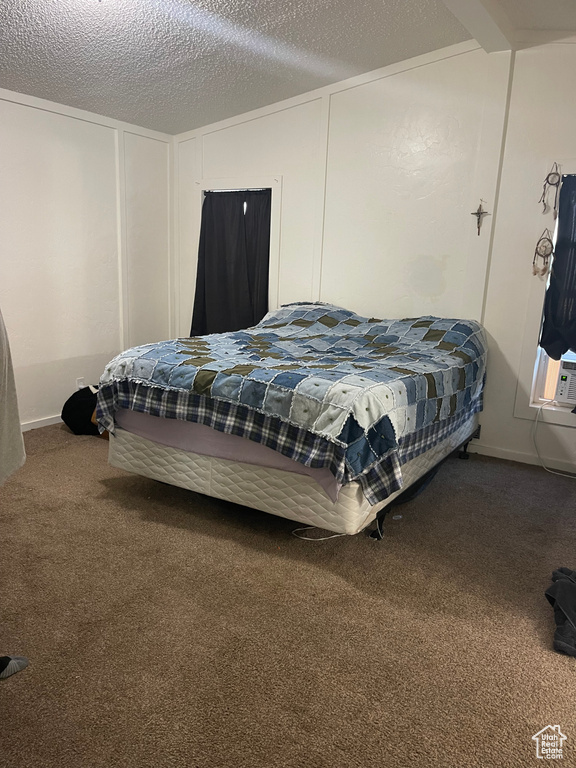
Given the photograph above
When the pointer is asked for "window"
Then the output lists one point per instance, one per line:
(232, 278)
(251, 182)
(538, 373)
(558, 310)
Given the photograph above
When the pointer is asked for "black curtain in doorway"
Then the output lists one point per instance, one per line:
(559, 327)
(232, 277)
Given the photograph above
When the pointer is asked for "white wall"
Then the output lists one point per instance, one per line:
(84, 234)
(286, 144)
(421, 139)
(540, 131)
(147, 238)
(409, 157)
(383, 172)
(187, 228)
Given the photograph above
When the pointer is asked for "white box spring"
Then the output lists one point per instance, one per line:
(289, 495)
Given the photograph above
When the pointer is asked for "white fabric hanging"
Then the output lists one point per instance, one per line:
(12, 454)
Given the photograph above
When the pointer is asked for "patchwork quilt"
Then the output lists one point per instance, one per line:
(319, 383)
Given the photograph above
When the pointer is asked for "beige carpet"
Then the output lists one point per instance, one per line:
(168, 629)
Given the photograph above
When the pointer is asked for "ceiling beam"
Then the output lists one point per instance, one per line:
(486, 21)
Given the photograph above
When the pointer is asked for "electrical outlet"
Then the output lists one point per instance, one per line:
(80, 383)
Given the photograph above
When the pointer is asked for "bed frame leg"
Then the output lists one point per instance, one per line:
(463, 452)
(377, 533)
(410, 493)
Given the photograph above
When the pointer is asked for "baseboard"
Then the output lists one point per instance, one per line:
(28, 425)
(523, 458)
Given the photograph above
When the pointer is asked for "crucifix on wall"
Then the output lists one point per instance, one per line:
(480, 213)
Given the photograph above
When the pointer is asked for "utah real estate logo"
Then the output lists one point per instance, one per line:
(549, 743)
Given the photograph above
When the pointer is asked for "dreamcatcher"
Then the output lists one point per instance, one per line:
(553, 179)
(543, 250)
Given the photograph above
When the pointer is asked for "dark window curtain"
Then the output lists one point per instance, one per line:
(559, 326)
(232, 277)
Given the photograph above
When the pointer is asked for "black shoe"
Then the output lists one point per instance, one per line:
(565, 639)
(564, 574)
(562, 597)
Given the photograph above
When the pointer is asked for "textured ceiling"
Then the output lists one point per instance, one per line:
(174, 65)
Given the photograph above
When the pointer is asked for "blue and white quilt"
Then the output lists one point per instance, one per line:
(319, 383)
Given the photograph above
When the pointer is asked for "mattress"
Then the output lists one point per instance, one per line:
(317, 383)
(197, 438)
(276, 491)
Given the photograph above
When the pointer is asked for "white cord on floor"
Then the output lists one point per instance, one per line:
(296, 533)
(534, 429)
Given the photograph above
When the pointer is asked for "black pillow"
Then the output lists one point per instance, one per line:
(78, 409)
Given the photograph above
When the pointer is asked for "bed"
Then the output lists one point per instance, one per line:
(316, 414)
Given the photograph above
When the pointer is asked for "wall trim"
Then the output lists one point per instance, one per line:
(171, 238)
(39, 423)
(80, 114)
(323, 149)
(328, 90)
(123, 277)
(530, 37)
(499, 174)
(521, 457)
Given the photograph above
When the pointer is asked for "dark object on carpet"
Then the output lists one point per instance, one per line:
(78, 410)
(562, 597)
(564, 573)
(9, 665)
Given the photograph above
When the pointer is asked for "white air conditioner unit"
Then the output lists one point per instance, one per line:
(566, 384)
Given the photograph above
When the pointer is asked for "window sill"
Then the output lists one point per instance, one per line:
(547, 412)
